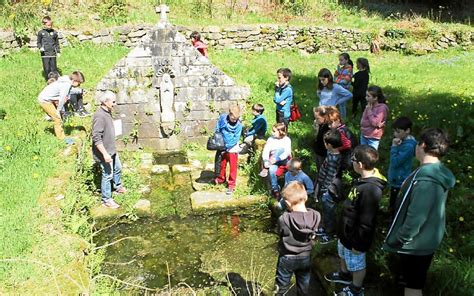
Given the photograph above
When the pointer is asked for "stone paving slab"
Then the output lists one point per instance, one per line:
(203, 200)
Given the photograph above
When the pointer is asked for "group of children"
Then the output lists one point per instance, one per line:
(337, 150)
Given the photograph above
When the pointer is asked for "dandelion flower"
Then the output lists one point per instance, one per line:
(35, 175)
(461, 219)
(35, 157)
(8, 148)
(451, 250)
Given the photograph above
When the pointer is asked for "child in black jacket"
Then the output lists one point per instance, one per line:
(48, 44)
(358, 221)
(361, 82)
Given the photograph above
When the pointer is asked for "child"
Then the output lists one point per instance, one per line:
(258, 129)
(283, 96)
(326, 176)
(373, 119)
(295, 173)
(59, 91)
(52, 77)
(321, 125)
(401, 157)
(296, 229)
(276, 153)
(329, 93)
(358, 221)
(198, 44)
(335, 122)
(420, 221)
(343, 76)
(231, 128)
(361, 82)
(48, 44)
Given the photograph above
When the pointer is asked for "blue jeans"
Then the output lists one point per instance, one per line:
(374, 143)
(329, 213)
(289, 265)
(342, 109)
(111, 177)
(272, 173)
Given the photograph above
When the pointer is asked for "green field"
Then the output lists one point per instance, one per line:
(433, 90)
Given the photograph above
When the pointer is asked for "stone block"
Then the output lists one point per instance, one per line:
(181, 168)
(160, 169)
(201, 115)
(140, 52)
(192, 94)
(83, 37)
(138, 62)
(143, 206)
(7, 37)
(213, 29)
(146, 160)
(203, 200)
(137, 34)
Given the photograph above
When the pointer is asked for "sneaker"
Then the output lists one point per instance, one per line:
(339, 277)
(320, 231)
(263, 173)
(111, 204)
(326, 239)
(121, 190)
(229, 191)
(350, 291)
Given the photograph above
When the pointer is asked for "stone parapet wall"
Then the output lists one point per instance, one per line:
(268, 38)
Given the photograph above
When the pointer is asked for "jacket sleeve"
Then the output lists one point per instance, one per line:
(346, 143)
(287, 150)
(282, 95)
(218, 123)
(266, 150)
(367, 210)
(331, 172)
(376, 118)
(343, 95)
(308, 184)
(98, 127)
(253, 129)
(63, 93)
(401, 154)
(259, 126)
(39, 41)
(418, 209)
(56, 43)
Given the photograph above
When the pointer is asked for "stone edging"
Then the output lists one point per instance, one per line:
(269, 37)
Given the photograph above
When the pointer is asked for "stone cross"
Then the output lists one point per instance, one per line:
(162, 10)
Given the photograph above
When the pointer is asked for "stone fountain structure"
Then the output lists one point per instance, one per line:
(168, 94)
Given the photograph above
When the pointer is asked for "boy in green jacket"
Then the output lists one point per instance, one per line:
(419, 224)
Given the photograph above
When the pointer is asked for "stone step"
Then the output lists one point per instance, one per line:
(204, 200)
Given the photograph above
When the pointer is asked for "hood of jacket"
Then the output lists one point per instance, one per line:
(224, 123)
(377, 179)
(437, 173)
(302, 224)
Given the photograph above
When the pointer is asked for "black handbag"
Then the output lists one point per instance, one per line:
(216, 142)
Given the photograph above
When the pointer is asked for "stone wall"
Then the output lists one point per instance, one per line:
(271, 38)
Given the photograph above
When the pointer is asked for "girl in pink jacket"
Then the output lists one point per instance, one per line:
(373, 119)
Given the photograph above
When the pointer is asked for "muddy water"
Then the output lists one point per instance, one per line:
(202, 251)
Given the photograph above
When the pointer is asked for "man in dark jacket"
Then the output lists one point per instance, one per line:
(358, 221)
(297, 230)
(48, 44)
(104, 151)
(419, 224)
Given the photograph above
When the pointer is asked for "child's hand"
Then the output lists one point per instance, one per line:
(396, 141)
(277, 84)
(283, 103)
(272, 160)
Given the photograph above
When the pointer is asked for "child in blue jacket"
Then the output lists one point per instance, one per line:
(401, 157)
(283, 96)
(231, 128)
(258, 129)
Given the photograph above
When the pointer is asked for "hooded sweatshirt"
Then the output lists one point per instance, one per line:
(296, 230)
(401, 161)
(230, 131)
(373, 121)
(360, 212)
(284, 93)
(56, 91)
(48, 42)
(420, 220)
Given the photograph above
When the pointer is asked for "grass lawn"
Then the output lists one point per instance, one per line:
(434, 90)
(29, 152)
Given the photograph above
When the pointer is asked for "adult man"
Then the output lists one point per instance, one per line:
(57, 93)
(48, 44)
(104, 151)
